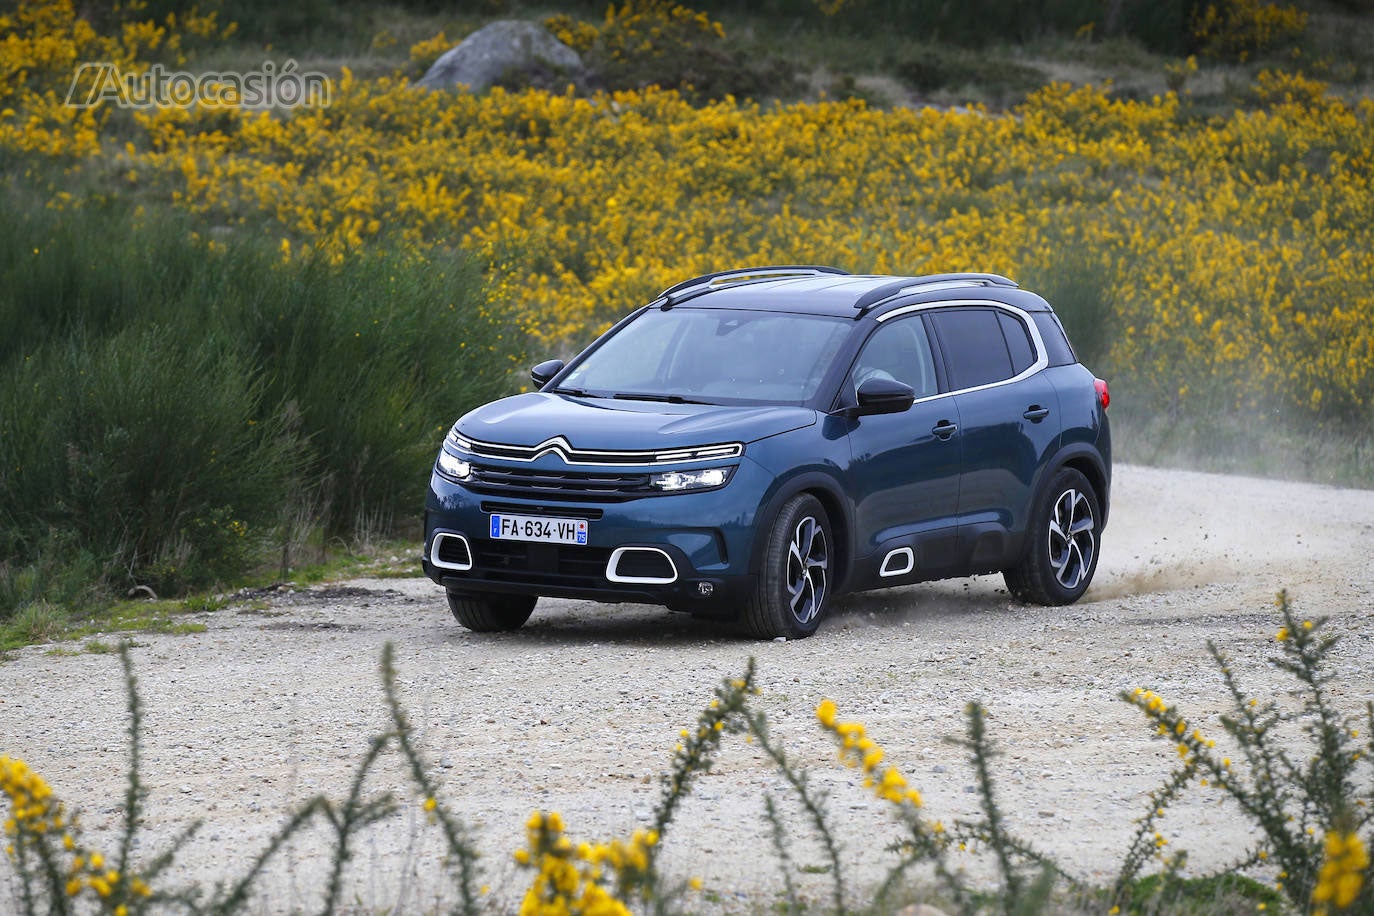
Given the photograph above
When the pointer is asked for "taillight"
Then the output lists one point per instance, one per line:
(1104, 397)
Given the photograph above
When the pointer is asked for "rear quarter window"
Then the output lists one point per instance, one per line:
(1056, 342)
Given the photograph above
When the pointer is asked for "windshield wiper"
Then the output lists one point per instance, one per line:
(665, 398)
(575, 392)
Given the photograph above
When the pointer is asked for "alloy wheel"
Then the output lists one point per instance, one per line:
(1072, 538)
(808, 569)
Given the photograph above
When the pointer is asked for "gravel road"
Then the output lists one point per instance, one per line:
(579, 711)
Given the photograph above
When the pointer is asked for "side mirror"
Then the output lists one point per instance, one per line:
(546, 370)
(884, 395)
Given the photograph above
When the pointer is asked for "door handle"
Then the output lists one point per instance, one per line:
(1035, 413)
(944, 429)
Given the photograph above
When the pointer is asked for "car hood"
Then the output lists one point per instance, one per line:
(599, 423)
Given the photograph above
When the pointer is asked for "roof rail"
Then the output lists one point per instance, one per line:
(914, 284)
(745, 274)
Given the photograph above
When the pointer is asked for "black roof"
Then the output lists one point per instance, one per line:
(826, 291)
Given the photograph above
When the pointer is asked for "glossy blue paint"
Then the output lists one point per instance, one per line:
(954, 479)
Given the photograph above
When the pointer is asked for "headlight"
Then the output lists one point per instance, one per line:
(453, 466)
(677, 481)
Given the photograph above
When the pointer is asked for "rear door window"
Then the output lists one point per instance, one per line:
(975, 349)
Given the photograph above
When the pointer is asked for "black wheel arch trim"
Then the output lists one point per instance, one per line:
(1085, 458)
(839, 512)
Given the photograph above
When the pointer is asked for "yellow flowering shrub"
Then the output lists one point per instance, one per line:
(652, 42)
(653, 27)
(859, 750)
(582, 880)
(424, 53)
(1342, 872)
(576, 34)
(38, 828)
(1241, 28)
(1232, 256)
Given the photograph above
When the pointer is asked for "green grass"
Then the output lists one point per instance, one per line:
(1237, 442)
(1213, 895)
(41, 621)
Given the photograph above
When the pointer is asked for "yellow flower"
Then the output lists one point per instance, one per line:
(1342, 872)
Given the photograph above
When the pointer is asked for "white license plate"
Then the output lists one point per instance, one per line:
(539, 528)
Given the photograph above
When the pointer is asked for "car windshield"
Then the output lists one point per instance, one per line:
(713, 356)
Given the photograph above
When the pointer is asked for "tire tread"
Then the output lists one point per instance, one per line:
(491, 613)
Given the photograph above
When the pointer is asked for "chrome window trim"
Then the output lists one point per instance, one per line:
(1042, 359)
(593, 457)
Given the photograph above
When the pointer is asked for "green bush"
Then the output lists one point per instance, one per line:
(142, 447)
(1161, 25)
(640, 43)
(171, 405)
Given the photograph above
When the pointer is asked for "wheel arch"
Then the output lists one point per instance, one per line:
(838, 510)
(1086, 460)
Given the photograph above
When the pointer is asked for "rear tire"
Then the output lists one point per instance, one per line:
(1062, 549)
(491, 613)
(795, 582)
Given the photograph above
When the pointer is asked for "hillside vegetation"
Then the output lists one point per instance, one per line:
(1210, 253)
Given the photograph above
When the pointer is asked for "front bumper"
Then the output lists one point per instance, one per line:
(689, 551)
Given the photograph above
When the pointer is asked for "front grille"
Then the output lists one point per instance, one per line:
(528, 483)
(540, 564)
(495, 508)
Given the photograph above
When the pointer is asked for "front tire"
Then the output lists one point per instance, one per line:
(491, 613)
(795, 582)
(1062, 552)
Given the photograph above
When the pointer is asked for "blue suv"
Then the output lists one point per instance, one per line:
(754, 443)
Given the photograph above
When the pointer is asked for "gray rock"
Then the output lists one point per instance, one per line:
(497, 49)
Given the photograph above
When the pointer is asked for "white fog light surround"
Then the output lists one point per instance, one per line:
(702, 479)
(453, 466)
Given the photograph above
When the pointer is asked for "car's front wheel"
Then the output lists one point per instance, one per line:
(794, 583)
(1061, 555)
(491, 613)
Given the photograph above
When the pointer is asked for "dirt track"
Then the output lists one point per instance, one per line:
(579, 711)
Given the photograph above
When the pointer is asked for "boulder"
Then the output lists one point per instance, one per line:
(495, 50)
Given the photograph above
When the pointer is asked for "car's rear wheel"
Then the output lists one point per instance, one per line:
(491, 613)
(795, 582)
(1061, 555)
